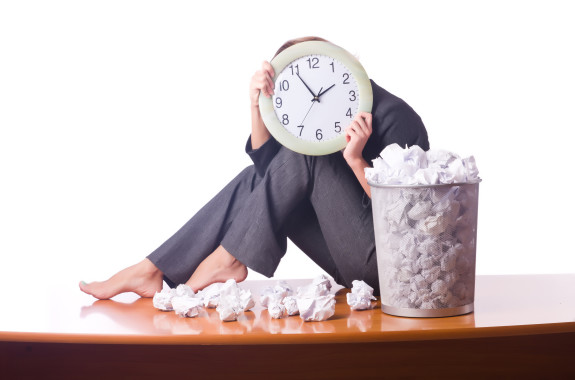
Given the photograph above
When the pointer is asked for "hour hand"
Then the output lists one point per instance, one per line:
(324, 91)
(309, 89)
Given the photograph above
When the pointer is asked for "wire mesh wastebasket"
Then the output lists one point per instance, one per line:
(426, 237)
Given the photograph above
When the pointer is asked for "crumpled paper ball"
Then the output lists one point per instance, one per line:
(275, 293)
(211, 295)
(230, 304)
(360, 296)
(163, 300)
(187, 306)
(316, 309)
(290, 304)
(320, 286)
(184, 290)
(277, 310)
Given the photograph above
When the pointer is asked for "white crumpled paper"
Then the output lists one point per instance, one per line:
(414, 166)
(228, 299)
(211, 295)
(246, 299)
(277, 310)
(320, 286)
(186, 306)
(290, 304)
(316, 309)
(163, 300)
(233, 301)
(315, 297)
(360, 296)
(314, 301)
(184, 290)
(181, 299)
(275, 293)
(273, 298)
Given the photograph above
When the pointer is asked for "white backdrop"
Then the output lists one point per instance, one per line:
(120, 119)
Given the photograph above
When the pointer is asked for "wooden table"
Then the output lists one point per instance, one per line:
(522, 325)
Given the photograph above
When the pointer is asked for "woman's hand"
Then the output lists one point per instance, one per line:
(262, 81)
(356, 135)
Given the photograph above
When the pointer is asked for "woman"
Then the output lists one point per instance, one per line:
(320, 203)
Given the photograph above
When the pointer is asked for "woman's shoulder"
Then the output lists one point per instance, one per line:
(384, 102)
(394, 121)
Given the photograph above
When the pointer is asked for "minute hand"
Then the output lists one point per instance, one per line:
(324, 91)
(309, 89)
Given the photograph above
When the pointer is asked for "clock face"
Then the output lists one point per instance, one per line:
(316, 98)
(319, 88)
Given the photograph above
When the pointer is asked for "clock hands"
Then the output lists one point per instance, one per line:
(312, 103)
(320, 93)
(315, 97)
(323, 92)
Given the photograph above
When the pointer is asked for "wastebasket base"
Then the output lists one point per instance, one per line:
(427, 313)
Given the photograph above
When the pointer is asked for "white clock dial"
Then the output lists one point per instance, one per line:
(319, 88)
(316, 98)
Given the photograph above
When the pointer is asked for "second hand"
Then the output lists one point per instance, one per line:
(312, 103)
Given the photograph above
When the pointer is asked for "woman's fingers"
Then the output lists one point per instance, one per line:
(267, 67)
(268, 73)
(350, 133)
(363, 121)
(359, 130)
(264, 85)
(367, 118)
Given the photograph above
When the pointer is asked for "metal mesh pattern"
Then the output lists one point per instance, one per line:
(426, 242)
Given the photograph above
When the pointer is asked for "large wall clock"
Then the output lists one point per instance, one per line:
(319, 88)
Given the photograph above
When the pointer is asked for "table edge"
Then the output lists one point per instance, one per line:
(271, 339)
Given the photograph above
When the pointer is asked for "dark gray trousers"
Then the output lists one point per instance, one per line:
(316, 202)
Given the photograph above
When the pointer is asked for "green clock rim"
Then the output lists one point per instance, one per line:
(279, 63)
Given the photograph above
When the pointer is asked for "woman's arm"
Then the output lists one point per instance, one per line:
(261, 81)
(357, 135)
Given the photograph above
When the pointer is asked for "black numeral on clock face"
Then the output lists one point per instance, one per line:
(352, 96)
(284, 85)
(296, 71)
(278, 102)
(300, 129)
(285, 119)
(345, 78)
(337, 127)
(313, 63)
(348, 113)
(318, 134)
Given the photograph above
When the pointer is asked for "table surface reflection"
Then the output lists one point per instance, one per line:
(505, 305)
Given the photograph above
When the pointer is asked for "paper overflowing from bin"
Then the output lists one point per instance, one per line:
(414, 166)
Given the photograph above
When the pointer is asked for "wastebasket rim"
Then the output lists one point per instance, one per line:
(372, 184)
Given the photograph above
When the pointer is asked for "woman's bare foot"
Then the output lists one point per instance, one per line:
(144, 279)
(219, 266)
